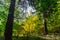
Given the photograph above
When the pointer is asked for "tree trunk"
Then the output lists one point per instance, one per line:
(45, 23)
(9, 24)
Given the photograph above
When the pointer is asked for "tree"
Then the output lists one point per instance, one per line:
(45, 7)
(9, 23)
(47, 10)
(38, 5)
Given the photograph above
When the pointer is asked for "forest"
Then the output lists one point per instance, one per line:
(29, 19)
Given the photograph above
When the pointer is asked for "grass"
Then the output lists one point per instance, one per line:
(27, 38)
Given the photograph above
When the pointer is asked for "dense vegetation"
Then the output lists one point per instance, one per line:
(18, 24)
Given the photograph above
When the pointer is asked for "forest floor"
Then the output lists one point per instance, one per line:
(50, 37)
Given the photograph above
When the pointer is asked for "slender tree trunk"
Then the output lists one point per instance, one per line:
(45, 23)
(9, 24)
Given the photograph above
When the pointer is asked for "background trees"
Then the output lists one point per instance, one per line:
(45, 7)
(46, 19)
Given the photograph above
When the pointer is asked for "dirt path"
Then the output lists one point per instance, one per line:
(50, 37)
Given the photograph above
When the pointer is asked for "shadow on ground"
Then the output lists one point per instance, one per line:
(27, 38)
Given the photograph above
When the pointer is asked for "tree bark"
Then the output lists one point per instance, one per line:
(9, 23)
